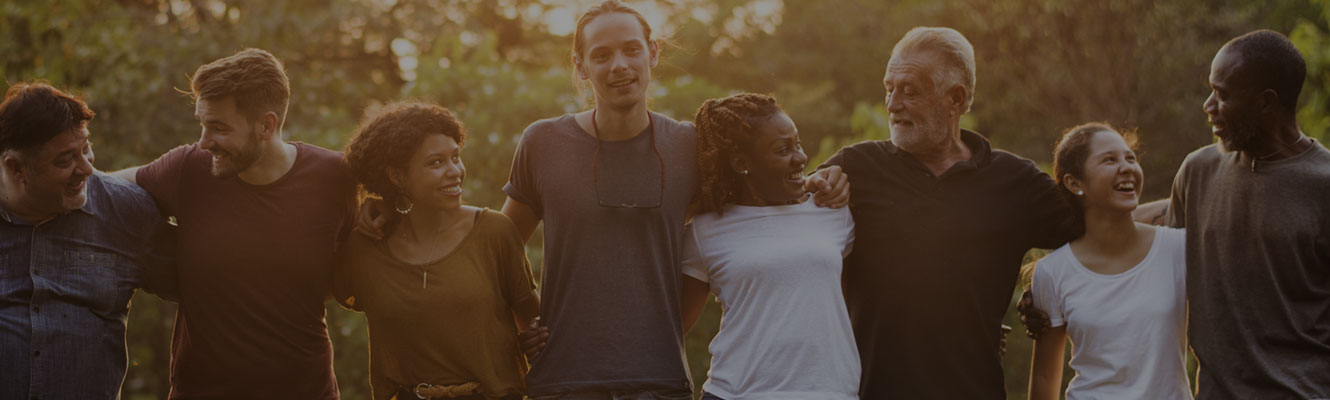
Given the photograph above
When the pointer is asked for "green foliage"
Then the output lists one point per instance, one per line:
(1043, 66)
(1313, 38)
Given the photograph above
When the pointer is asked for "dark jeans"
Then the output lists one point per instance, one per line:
(409, 394)
(709, 396)
(656, 394)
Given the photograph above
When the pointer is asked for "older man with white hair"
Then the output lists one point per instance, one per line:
(945, 220)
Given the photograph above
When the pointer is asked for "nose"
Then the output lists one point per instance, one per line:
(619, 63)
(206, 141)
(800, 158)
(1210, 106)
(455, 170)
(894, 104)
(83, 166)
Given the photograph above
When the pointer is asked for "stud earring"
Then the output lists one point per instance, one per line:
(744, 172)
(1080, 193)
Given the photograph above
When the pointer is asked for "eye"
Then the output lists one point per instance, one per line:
(632, 50)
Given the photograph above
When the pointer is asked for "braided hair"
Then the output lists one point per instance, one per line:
(724, 128)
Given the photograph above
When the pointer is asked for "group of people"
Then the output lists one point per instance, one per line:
(900, 295)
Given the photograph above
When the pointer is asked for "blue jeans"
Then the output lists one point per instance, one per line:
(655, 394)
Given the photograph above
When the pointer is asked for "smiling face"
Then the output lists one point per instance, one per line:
(1233, 108)
(55, 179)
(232, 138)
(775, 162)
(617, 60)
(435, 173)
(922, 116)
(1112, 179)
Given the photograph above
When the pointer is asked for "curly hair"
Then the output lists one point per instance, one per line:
(1069, 155)
(724, 128)
(389, 135)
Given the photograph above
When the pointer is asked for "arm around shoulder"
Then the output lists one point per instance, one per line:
(129, 174)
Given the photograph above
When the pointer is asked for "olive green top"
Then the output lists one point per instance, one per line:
(445, 322)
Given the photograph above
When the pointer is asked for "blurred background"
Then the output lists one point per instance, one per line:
(1043, 66)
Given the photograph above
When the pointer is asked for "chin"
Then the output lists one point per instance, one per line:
(71, 203)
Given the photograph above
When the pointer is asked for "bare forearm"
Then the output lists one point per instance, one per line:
(130, 174)
(1046, 365)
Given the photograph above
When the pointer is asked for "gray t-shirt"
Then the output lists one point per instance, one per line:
(610, 282)
(1258, 272)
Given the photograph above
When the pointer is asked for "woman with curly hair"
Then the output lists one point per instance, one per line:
(447, 287)
(771, 256)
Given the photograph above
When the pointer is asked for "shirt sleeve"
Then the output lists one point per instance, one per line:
(838, 159)
(1176, 215)
(1044, 287)
(162, 276)
(521, 185)
(848, 226)
(162, 178)
(344, 277)
(516, 281)
(692, 264)
(1054, 222)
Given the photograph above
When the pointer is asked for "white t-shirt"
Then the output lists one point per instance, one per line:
(785, 332)
(1128, 330)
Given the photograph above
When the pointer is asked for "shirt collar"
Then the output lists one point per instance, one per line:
(981, 152)
(86, 209)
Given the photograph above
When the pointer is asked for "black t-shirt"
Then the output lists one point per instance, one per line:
(935, 264)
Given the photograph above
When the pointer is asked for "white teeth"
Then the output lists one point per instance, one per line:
(452, 189)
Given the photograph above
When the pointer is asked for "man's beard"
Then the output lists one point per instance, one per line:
(240, 160)
(1242, 136)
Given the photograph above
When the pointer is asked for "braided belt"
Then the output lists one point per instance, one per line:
(428, 391)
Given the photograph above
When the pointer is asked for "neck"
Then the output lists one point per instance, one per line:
(941, 158)
(1284, 142)
(1109, 229)
(275, 159)
(424, 223)
(620, 124)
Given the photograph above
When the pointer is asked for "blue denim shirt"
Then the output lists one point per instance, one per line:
(65, 285)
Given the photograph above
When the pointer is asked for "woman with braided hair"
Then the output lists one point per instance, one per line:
(772, 258)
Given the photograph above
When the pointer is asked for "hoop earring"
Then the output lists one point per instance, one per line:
(408, 208)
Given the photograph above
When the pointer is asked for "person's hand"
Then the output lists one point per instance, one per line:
(373, 217)
(830, 187)
(1034, 319)
(533, 338)
(1002, 342)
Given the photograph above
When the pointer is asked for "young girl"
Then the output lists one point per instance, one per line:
(1119, 290)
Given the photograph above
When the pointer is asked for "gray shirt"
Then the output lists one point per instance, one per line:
(1258, 272)
(610, 283)
(65, 286)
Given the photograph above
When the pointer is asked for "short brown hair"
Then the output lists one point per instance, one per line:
(389, 135)
(34, 113)
(253, 77)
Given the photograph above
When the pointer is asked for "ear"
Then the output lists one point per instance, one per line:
(577, 66)
(1072, 184)
(268, 124)
(956, 96)
(396, 177)
(738, 164)
(13, 165)
(1270, 101)
(655, 52)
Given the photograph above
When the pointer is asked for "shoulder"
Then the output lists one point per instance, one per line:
(546, 127)
(120, 196)
(870, 152)
(494, 224)
(1011, 162)
(315, 154)
(1205, 156)
(1055, 263)
(674, 127)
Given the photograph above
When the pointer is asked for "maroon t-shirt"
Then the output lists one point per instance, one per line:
(255, 263)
